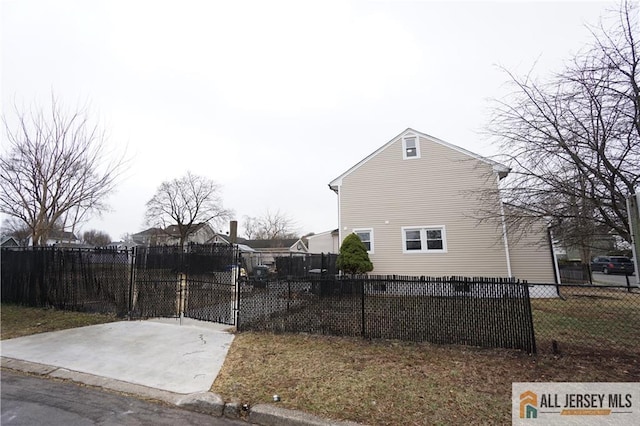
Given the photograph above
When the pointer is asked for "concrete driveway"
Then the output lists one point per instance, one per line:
(159, 354)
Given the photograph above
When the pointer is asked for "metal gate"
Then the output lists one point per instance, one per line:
(199, 281)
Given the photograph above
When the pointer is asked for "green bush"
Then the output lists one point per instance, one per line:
(353, 257)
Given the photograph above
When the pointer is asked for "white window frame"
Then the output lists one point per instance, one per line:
(370, 231)
(423, 238)
(404, 146)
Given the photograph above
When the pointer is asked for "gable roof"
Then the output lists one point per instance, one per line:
(322, 234)
(174, 230)
(149, 232)
(501, 169)
(9, 241)
(266, 244)
(61, 235)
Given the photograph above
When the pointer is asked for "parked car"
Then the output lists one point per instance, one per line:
(612, 265)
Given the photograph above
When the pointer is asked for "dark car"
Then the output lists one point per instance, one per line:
(612, 265)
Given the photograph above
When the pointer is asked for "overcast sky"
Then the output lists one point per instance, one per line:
(274, 99)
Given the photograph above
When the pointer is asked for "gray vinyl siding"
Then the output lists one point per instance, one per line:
(387, 193)
(530, 256)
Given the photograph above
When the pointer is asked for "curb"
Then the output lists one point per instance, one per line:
(203, 402)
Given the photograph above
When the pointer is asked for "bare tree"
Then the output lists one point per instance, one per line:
(55, 169)
(96, 238)
(270, 226)
(186, 202)
(574, 140)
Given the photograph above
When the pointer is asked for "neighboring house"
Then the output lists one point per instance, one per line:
(9, 242)
(149, 237)
(224, 239)
(199, 234)
(412, 202)
(325, 242)
(266, 251)
(62, 239)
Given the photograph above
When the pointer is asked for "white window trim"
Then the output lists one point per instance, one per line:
(423, 238)
(370, 231)
(404, 146)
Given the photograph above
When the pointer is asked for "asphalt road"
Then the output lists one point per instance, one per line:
(29, 400)
(612, 279)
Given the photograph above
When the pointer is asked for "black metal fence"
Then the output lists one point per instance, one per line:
(84, 280)
(301, 265)
(472, 311)
(575, 273)
(198, 281)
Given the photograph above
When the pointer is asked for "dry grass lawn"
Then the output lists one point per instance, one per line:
(19, 321)
(374, 382)
(391, 383)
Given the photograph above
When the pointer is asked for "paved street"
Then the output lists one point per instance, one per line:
(612, 279)
(28, 400)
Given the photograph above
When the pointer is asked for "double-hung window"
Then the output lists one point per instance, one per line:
(410, 147)
(424, 239)
(366, 236)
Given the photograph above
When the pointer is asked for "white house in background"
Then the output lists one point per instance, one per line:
(200, 233)
(61, 239)
(266, 251)
(412, 204)
(324, 242)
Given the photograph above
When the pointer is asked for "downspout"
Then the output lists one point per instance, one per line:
(504, 230)
(337, 191)
(556, 267)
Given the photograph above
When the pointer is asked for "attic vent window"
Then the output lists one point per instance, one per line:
(411, 147)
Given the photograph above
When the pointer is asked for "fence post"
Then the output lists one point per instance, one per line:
(182, 282)
(236, 288)
(362, 286)
(131, 279)
(532, 331)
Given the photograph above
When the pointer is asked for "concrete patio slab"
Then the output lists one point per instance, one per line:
(177, 356)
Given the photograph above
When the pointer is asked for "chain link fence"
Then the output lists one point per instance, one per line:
(547, 318)
(472, 311)
(586, 319)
